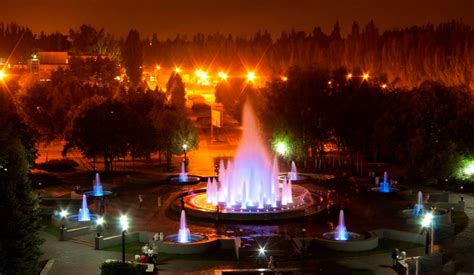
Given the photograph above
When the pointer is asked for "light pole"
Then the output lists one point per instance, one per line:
(185, 149)
(428, 225)
(124, 225)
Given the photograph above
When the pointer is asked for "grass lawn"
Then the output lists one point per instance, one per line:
(385, 246)
(460, 220)
(48, 227)
(130, 248)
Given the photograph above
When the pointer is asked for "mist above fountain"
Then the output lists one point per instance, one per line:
(84, 214)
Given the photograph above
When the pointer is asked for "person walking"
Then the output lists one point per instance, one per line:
(395, 254)
(140, 200)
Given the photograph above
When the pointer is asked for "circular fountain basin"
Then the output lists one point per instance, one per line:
(298, 178)
(199, 244)
(72, 221)
(333, 235)
(304, 204)
(90, 194)
(356, 242)
(190, 180)
(379, 190)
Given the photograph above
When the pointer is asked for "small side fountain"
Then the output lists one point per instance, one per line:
(97, 189)
(418, 208)
(183, 177)
(384, 186)
(293, 174)
(184, 235)
(84, 214)
(341, 233)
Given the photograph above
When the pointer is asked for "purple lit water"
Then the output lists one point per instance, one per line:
(184, 235)
(341, 230)
(251, 181)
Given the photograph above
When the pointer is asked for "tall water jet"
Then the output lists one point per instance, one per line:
(84, 214)
(384, 185)
(184, 235)
(293, 174)
(183, 176)
(418, 208)
(341, 230)
(97, 189)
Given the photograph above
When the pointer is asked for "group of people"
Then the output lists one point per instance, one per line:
(148, 255)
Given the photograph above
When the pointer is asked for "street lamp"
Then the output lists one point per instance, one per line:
(222, 75)
(261, 251)
(365, 76)
(428, 225)
(251, 76)
(63, 214)
(2, 74)
(124, 225)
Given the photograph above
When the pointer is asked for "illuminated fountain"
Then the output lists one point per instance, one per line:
(293, 174)
(384, 186)
(84, 214)
(97, 188)
(250, 184)
(184, 236)
(418, 208)
(183, 177)
(341, 233)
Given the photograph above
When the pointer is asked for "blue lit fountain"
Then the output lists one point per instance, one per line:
(418, 209)
(341, 233)
(184, 236)
(97, 189)
(384, 186)
(183, 177)
(84, 214)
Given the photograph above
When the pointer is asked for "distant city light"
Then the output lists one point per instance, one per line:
(2, 75)
(365, 76)
(251, 76)
(198, 72)
(222, 75)
(177, 70)
(284, 78)
(384, 86)
(329, 82)
(158, 67)
(117, 78)
(349, 76)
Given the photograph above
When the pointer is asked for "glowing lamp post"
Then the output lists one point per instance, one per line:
(427, 223)
(2, 74)
(222, 75)
(261, 251)
(365, 76)
(124, 225)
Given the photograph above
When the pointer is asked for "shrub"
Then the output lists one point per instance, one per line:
(120, 268)
(58, 165)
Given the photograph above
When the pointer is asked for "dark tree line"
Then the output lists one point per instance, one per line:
(407, 57)
(19, 233)
(426, 130)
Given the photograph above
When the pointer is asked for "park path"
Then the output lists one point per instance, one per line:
(463, 246)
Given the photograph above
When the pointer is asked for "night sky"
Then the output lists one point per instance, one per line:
(244, 17)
